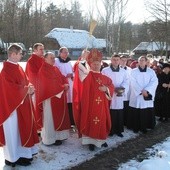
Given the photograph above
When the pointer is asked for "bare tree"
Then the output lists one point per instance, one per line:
(121, 4)
(24, 22)
(160, 11)
(10, 19)
(113, 17)
(27, 22)
(106, 17)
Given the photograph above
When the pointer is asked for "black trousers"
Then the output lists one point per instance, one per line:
(71, 113)
(141, 119)
(117, 121)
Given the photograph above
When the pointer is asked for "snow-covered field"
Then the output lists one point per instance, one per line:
(72, 153)
(159, 159)
(67, 155)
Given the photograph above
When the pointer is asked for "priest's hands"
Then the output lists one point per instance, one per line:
(66, 87)
(31, 89)
(103, 88)
(69, 75)
(165, 85)
(144, 93)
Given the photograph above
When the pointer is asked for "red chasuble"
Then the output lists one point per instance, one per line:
(77, 95)
(50, 83)
(32, 68)
(2, 110)
(95, 116)
(33, 65)
(14, 97)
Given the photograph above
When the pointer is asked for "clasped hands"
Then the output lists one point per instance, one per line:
(66, 87)
(31, 89)
(165, 85)
(144, 93)
(103, 88)
(69, 75)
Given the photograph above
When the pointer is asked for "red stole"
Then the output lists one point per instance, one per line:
(14, 97)
(32, 67)
(77, 95)
(95, 116)
(50, 83)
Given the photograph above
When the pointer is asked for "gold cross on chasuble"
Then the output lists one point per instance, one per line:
(96, 120)
(99, 80)
(98, 100)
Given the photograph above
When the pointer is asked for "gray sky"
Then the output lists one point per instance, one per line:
(136, 12)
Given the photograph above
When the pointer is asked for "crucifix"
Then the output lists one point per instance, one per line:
(98, 100)
(99, 80)
(96, 120)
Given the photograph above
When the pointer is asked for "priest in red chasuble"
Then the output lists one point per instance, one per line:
(32, 68)
(81, 70)
(18, 133)
(34, 62)
(95, 122)
(51, 94)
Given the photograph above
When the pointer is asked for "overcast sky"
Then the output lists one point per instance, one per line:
(136, 11)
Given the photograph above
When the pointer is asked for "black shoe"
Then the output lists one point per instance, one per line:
(105, 145)
(9, 163)
(27, 159)
(23, 162)
(144, 131)
(30, 159)
(120, 135)
(161, 119)
(166, 120)
(91, 147)
(110, 134)
(58, 142)
(34, 154)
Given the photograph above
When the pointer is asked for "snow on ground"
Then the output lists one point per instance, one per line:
(159, 159)
(67, 155)
(72, 153)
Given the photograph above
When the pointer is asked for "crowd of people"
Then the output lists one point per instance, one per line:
(95, 99)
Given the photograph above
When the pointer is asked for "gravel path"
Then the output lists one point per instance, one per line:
(133, 148)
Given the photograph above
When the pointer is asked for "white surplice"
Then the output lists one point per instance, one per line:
(127, 95)
(142, 81)
(13, 149)
(49, 134)
(119, 79)
(83, 69)
(66, 68)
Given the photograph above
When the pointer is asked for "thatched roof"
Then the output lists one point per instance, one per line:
(76, 39)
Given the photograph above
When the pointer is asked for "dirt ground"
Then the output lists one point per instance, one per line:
(133, 148)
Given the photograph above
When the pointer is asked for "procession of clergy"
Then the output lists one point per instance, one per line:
(97, 100)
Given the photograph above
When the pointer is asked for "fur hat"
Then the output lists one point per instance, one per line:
(165, 65)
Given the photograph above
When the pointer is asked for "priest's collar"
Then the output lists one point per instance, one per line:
(12, 62)
(142, 69)
(33, 54)
(114, 69)
(124, 67)
(95, 71)
(64, 61)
